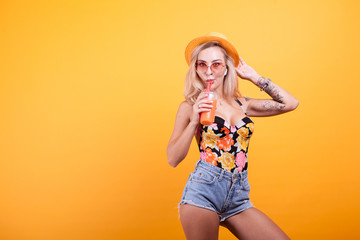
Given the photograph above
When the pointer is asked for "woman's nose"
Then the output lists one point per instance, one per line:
(208, 70)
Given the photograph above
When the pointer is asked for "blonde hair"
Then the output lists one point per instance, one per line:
(194, 85)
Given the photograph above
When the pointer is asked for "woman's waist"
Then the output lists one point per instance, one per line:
(228, 153)
(221, 171)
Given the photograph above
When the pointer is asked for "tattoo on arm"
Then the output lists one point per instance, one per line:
(270, 89)
(274, 93)
(261, 82)
(272, 106)
(247, 99)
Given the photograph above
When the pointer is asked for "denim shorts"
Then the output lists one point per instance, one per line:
(215, 189)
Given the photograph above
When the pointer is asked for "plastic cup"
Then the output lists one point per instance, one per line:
(207, 118)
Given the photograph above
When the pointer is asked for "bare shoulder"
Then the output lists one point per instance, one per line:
(185, 106)
(185, 110)
(182, 119)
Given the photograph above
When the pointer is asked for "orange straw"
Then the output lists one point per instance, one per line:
(209, 83)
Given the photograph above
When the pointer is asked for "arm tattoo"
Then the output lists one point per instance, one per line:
(274, 93)
(270, 89)
(272, 106)
(262, 82)
(247, 99)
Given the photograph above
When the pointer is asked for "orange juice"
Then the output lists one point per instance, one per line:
(207, 118)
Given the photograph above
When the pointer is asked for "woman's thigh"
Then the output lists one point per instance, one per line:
(199, 223)
(254, 224)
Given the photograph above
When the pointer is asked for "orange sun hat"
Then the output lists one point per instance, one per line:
(212, 36)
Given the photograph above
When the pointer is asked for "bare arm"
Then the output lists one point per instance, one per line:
(187, 120)
(281, 101)
(182, 135)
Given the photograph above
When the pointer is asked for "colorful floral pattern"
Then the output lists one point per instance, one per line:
(225, 143)
(240, 160)
(227, 161)
(209, 139)
(211, 157)
(226, 146)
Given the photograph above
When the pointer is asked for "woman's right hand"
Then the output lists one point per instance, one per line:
(202, 104)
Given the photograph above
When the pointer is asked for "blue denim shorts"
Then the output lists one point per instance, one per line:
(215, 189)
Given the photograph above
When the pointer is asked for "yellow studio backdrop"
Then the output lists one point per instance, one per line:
(89, 91)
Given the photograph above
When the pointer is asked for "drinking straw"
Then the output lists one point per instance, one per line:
(209, 83)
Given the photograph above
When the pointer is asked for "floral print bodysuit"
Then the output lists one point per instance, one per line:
(226, 146)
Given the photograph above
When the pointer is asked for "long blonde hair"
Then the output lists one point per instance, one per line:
(194, 85)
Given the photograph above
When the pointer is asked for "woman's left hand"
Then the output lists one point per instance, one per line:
(244, 71)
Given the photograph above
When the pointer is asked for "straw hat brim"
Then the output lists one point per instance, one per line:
(230, 49)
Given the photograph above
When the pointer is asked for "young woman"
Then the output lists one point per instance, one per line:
(217, 191)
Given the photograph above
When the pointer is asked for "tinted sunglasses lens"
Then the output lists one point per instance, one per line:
(201, 66)
(215, 67)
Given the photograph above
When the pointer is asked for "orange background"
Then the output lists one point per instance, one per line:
(88, 96)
